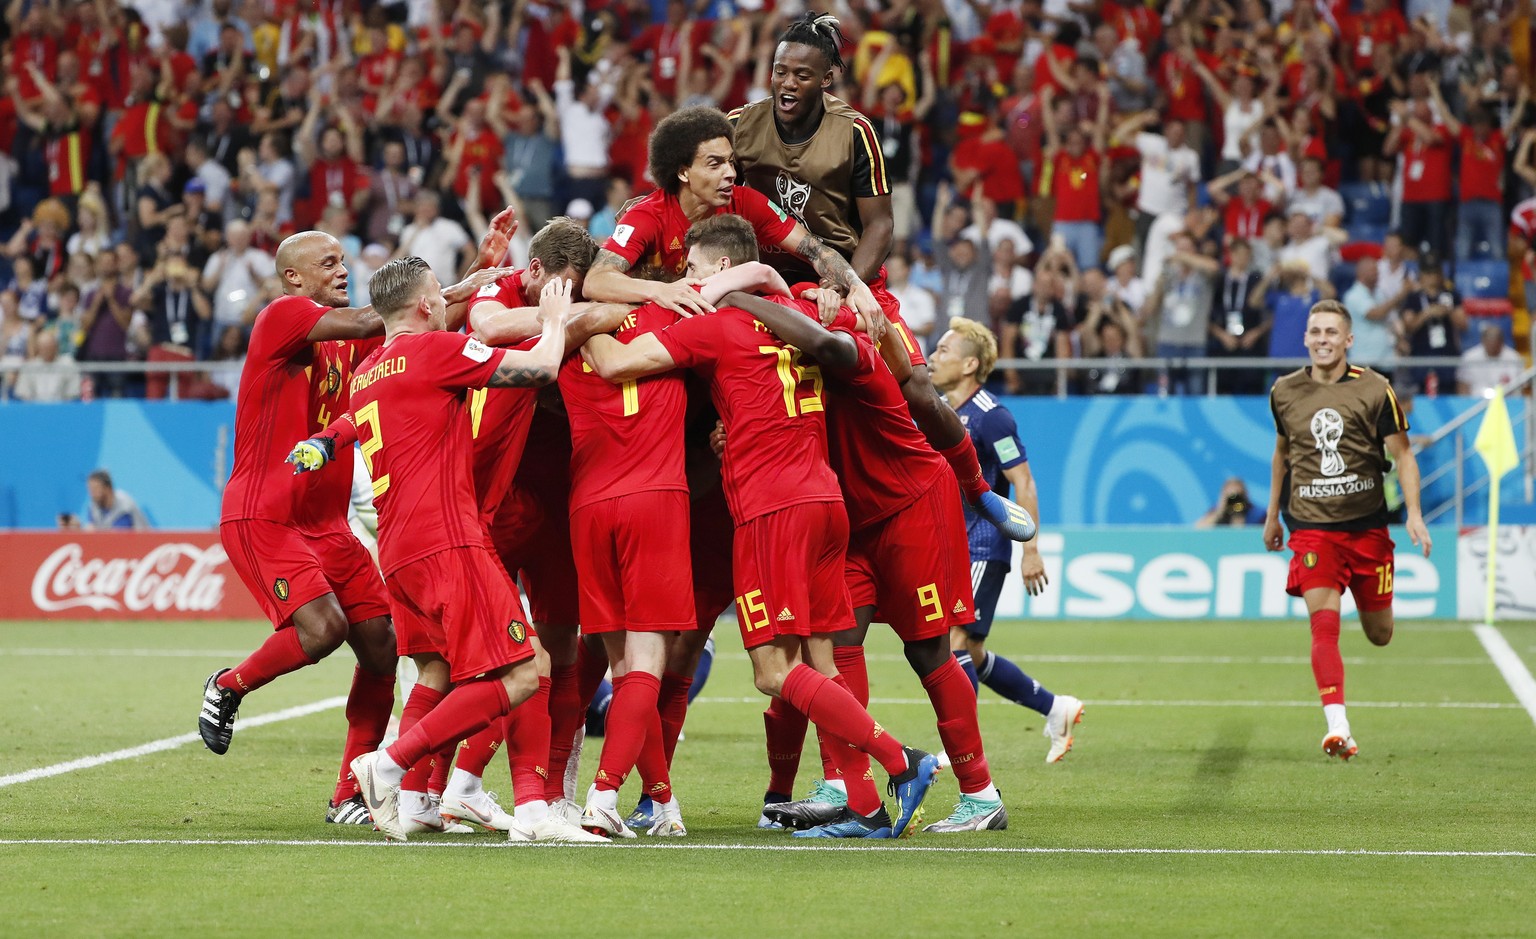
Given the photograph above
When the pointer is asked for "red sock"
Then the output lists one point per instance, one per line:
(441, 763)
(853, 769)
(369, 705)
(836, 711)
(591, 667)
(565, 715)
(785, 730)
(962, 459)
(528, 746)
(850, 664)
(421, 702)
(466, 709)
(279, 655)
(629, 720)
(652, 764)
(673, 705)
(955, 705)
(478, 750)
(1327, 663)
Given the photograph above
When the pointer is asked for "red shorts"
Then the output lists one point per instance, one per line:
(285, 569)
(892, 309)
(915, 567)
(632, 563)
(460, 604)
(789, 573)
(712, 537)
(1359, 560)
(533, 540)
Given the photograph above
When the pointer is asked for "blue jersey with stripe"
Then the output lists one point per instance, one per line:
(998, 448)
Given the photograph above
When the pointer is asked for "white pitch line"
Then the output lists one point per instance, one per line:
(129, 653)
(1510, 666)
(673, 846)
(166, 743)
(1132, 702)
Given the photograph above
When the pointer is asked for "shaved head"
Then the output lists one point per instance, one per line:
(312, 264)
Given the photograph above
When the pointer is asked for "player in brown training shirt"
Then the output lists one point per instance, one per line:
(1336, 425)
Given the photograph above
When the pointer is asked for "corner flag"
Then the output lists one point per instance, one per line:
(1495, 443)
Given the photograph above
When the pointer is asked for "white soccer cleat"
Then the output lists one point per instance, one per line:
(602, 820)
(573, 765)
(1340, 745)
(480, 809)
(1066, 713)
(431, 820)
(669, 821)
(381, 799)
(554, 828)
(520, 833)
(566, 809)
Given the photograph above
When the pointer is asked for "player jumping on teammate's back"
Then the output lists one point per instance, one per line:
(791, 528)
(961, 363)
(821, 160)
(1332, 421)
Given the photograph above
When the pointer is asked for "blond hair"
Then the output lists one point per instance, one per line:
(983, 345)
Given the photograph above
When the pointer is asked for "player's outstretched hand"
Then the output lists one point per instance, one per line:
(1274, 536)
(717, 439)
(498, 238)
(555, 301)
(310, 455)
(466, 288)
(1418, 533)
(680, 297)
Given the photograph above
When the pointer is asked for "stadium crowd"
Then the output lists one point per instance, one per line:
(1094, 181)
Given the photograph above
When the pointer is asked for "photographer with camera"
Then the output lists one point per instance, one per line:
(1233, 507)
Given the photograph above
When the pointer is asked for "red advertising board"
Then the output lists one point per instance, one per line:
(151, 575)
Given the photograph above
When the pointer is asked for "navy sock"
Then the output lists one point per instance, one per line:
(1008, 680)
(774, 798)
(701, 674)
(969, 667)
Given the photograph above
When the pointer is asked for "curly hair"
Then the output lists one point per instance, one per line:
(819, 31)
(676, 140)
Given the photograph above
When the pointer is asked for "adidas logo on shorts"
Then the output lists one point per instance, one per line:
(959, 606)
(785, 616)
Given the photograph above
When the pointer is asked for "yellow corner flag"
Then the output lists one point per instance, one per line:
(1496, 438)
(1495, 443)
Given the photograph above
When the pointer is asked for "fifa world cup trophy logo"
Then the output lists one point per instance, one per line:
(793, 195)
(1327, 430)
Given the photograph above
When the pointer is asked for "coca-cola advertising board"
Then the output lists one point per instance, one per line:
(151, 575)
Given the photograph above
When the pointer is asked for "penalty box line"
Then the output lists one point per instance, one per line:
(673, 846)
(166, 743)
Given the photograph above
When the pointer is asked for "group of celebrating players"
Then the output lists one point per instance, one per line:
(644, 434)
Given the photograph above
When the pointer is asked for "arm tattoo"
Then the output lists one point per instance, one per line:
(607, 258)
(508, 375)
(828, 264)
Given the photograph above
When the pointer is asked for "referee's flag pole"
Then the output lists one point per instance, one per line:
(1495, 443)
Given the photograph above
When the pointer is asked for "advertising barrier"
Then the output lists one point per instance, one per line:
(1169, 573)
(120, 576)
(1514, 589)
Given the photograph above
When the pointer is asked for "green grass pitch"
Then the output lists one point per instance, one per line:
(1196, 803)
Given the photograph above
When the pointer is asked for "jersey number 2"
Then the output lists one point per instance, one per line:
(369, 414)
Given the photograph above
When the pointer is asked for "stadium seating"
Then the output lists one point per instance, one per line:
(1366, 203)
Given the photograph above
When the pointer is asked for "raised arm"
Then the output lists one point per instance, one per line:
(608, 279)
(837, 351)
(539, 366)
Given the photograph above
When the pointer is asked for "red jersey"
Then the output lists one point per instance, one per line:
(1245, 219)
(770, 400)
(334, 182)
(1044, 77)
(408, 401)
(1074, 182)
(507, 292)
(625, 438)
(67, 152)
(1001, 180)
(1363, 32)
(1427, 166)
(290, 389)
(654, 227)
(482, 151)
(883, 461)
(498, 421)
(1482, 166)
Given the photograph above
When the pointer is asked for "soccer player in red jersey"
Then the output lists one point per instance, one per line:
(455, 608)
(1336, 426)
(691, 159)
(823, 160)
(908, 557)
(791, 528)
(286, 536)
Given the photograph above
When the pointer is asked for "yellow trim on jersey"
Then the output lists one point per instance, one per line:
(1398, 417)
(865, 131)
(76, 165)
(152, 129)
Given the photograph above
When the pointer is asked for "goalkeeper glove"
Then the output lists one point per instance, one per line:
(312, 454)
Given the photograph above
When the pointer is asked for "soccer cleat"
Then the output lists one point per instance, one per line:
(645, 815)
(763, 821)
(1340, 745)
(554, 828)
(973, 814)
(850, 824)
(431, 820)
(1007, 516)
(348, 812)
(381, 799)
(216, 721)
(823, 805)
(910, 787)
(567, 810)
(601, 821)
(669, 821)
(1066, 713)
(480, 809)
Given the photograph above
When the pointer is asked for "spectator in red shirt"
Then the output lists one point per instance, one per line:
(1073, 178)
(987, 159)
(1182, 87)
(1426, 147)
(663, 43)
(1376, 25)
(1053, 69)
(1242, 214)
(1479, 216)
(336, 173)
